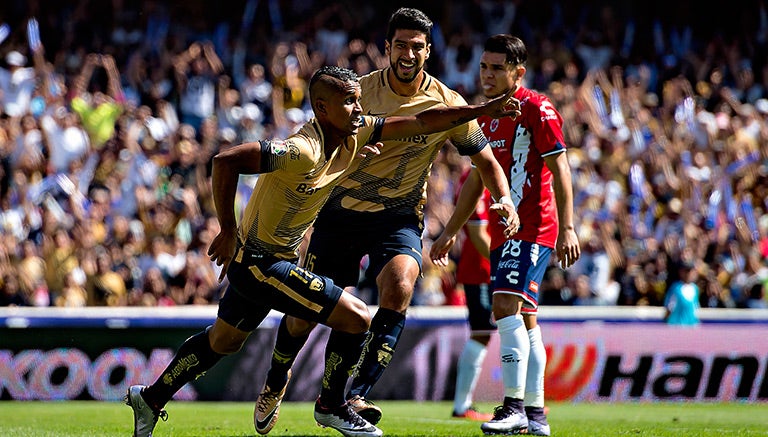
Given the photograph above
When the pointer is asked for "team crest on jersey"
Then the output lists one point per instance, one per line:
(494, 124)
(279, 147)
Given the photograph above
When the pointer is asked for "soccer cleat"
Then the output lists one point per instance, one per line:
(538, 428)
(537, 421)
(144, 417)
(365, 408)
(506, 421)
(267, 407)
(472, 414)
(344, 420)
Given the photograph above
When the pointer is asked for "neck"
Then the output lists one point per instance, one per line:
(404, 88)
(331, 139)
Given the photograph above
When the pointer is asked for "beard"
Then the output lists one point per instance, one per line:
(404, 79)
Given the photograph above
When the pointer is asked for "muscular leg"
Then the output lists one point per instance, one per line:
(395, 283)
(198, 354)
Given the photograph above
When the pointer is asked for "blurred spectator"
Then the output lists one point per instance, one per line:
(682, 298)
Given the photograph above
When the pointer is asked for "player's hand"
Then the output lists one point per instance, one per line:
(504, 106)
(438, 253)
(567, 248)
(508, 212)
(222, 250)
(374, 149)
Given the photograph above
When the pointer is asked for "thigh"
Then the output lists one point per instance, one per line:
(479, 307)
(283, 286)
(518, 268)
(404, 240)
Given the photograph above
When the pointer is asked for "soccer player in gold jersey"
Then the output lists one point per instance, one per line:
(377, 208)
(259, 256)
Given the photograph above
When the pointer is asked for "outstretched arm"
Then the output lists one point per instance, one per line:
(440, 119)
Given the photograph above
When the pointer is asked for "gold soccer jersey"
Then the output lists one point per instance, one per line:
(396, 180)
(296, 182)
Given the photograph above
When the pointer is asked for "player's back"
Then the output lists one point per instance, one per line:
(393, 185)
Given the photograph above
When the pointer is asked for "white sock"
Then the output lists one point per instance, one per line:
(537, 362)
(514, 348)
(467, 373)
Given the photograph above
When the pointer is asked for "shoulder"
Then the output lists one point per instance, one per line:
(374, 79)
(442, 92)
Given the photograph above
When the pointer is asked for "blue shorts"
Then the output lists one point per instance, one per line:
(517, 267)
(335, 251)
(259, 284)
(479, 298)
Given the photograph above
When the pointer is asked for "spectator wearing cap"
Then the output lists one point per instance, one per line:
(17, 83)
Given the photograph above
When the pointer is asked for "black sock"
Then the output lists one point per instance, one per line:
(386, 327)
(341, 356)
(537, 414)
(513, 403)
(191, 361)
(286, 349)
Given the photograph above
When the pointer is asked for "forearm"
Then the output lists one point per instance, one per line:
(465, 204)
(228, 165)
(492, 174)
(563, 187)
(224, 187)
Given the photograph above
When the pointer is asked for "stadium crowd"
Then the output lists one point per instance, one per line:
(111, 112)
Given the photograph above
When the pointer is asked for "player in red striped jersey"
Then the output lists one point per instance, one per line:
(532, 150)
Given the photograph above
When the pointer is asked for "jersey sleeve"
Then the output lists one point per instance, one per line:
(294, 155)
(370, 131)
(468, 137)
(547, 129)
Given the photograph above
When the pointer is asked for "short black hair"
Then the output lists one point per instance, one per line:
(337, 75)
(410, 19)
(512, 47)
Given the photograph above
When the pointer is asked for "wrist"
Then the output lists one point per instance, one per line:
(506, 200)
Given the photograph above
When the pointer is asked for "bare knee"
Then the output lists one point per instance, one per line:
(299, 327)
(351, 315)
(506, 305)
(396, 282)
(225, 339)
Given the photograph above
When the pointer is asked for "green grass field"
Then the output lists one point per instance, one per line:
(87, 418)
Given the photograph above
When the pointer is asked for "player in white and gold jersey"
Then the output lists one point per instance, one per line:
(377, 207)
(259, 257)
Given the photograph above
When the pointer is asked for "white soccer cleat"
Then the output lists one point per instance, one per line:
(344, 420)
(144, 417)
(537, 428)
(506, 421)
(267, 407)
